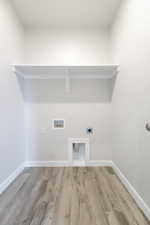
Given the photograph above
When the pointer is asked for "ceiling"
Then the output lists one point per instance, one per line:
(66, 13)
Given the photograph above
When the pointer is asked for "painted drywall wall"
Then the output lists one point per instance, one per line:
(47, 144)
(131, 99)
(11, 101)
(67, 46)
(81, 90)
(88, 103)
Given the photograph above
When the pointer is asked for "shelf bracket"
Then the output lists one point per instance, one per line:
(17, 73)
(67, 82)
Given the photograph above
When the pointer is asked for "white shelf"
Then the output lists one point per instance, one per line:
(66, 72)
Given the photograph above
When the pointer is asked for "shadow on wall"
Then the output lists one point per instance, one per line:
(53, 91)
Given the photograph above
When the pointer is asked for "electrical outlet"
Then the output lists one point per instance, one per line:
(89, 130)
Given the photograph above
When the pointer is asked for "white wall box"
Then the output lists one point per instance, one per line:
(79, 151)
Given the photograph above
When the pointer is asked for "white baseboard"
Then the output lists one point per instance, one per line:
(66, 163)
(46, 163)
(99, 163)
(11, 178)
(140, 202)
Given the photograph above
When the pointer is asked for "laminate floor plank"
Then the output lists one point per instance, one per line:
(69, 196)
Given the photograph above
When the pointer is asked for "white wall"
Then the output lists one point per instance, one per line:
(131, 99)
(67, 46)
(88, 103)
(11, 110)
(46, 144)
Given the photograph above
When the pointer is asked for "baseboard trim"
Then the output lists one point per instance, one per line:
(66, 163)
(11, 178)
(139, 200)
(46, 163)
(99, 163)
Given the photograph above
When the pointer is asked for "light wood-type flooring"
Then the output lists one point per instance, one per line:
(69, 196)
